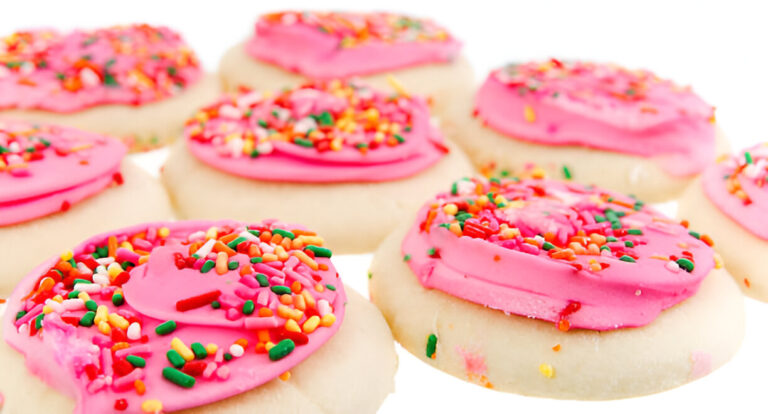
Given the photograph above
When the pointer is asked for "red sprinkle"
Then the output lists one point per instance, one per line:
(197, 301)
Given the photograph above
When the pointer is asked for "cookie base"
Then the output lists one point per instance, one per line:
(741, 250)
(506, 352)
(23, 246)
(141, 127)
(351, 217)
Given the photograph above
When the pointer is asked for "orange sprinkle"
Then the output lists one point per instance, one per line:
(265, 312)
(296, 287)
(556, 348)
(140, 387)
(112, 245)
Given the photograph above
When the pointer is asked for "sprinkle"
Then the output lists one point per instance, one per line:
(248, 307)
(136, 361)
(685, 264)
(529, 114)
(179, 346)
(166, 327)
(431, 346)
(175, 358)
(319, 251)
(87, 319)
(179, 378)
(152, 407)
(547, 370)
(199, 350)
(198, 301)
(281, 349)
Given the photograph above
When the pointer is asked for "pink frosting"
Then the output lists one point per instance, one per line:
(577, 256)
(68, 72)
(96, 369)
(337, 45)
(737, 186)
(318, 132)
(601, 106)
(45, 169)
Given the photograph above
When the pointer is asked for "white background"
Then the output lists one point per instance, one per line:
(719, 48)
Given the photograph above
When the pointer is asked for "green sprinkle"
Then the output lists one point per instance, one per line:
(248, 307)
(20, 314)
(331, 287)
(281, 350)
(611, 239)
(695, 234)
(431, 251)
(175, 358)
(548, 246)
(626, 258)
(207, 266)
(281, 290)
(284, 233)
(136, 361)
(399, 138)
(87, 319)
(254, 153)
(431, 345)
(255, 232)
(215, 304)
(748, 157)
(606, 248)
(126, 264)
(233, 265)
(109, 79)
(262, 279)
(636, 232)
(616, 225)
(228, 356)
(199, 350)
(407, 258)
(102, 251)
(233, 244)
(629, 244)
(567, 173)
(599, 218)
(325, 118)
(91, 305)
(171, 70)
(73, 294)
(83, 281)
(118, 299)
(370, 275)
(638, 205)
(303, 142)
(455, 188)
(166, 327)
(319, 251)
(256, 260)
(179, 378)
(263, 123)
(685, 264)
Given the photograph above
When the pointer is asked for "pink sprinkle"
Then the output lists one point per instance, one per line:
(128, 380)
(29, 315)
(232, 314)
(266, 322)
(223, 372)
(263, 298)
(209, 369)
(95, 385)
(245, 292)
(134, 350)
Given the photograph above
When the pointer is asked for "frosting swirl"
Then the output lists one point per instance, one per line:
(601, 106)
(327, 45)
(68, 72)
(325, 131)
(168, 316)
(577, 256)
(737, 186)
(45, 169)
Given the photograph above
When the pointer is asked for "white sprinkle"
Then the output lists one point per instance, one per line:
(236, 350)
(672, 266)
(205, 248)
(88, 287)
(229, 111)
(134, 331)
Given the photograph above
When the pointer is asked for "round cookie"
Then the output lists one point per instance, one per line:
(76, 183)
(730, 201)
(320, 373)
(503, 315)
(623, 130)
(138, 82)
(287, 48)
(352, 187)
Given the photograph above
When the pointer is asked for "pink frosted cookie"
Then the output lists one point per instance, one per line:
(289, 47)
(730, 202)
(193, 317)
(136, 82)
(345, 158)
(625, 130)
(555, 289)
(59, 184)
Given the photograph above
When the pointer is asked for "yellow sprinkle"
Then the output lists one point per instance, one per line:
(269, 345)
(547, 370)
(281, 254)
(285, 376)
(47, 309)
(57, 298)
(718, 261)
(211, 349)
(450, 209)
(292, 326)
(319, 288)
(212, 233)
(306, 259)
(67, 255)
(311, 324)
(528, 113)
(221, 263)
(152, 406)
(269, 257)
(126, 245)
(101, 314)
(117, 321)
(328, 320)
(105, 328)
(183, 350)
(114, 269)
(397, 86)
